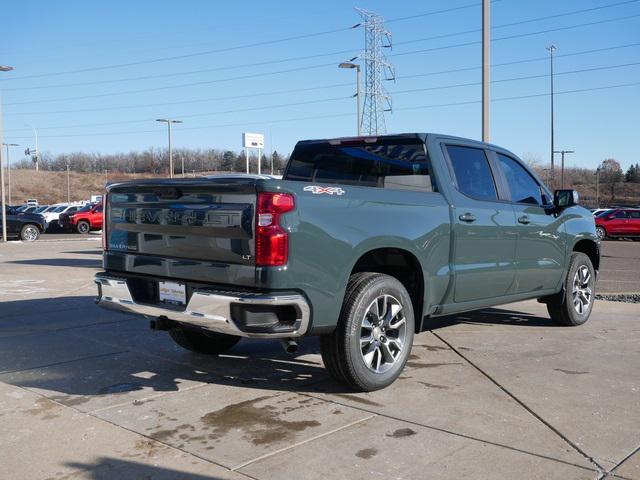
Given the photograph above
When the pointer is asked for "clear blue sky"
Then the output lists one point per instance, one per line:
(42, 38)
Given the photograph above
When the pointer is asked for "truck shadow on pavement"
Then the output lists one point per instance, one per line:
(82, 356)
(61, 262)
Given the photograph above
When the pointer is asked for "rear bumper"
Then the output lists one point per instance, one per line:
(215, 310)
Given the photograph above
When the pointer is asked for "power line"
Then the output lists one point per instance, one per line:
(520, 22)
(188, 55)
(320, 87)
(520, 35)
(320, 117)
(309, 102)
(207, 82)
(306, 57)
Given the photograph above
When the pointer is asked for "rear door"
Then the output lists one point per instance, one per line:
(96, 217)
(616, 222)
(541, 249)
(634, 222)
(483, 227)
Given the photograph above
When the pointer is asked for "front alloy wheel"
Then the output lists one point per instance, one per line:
(29, 233)
(601, 233)
(582, 293)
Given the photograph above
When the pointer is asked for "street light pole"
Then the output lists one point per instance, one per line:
(3, 204)
(168, 121)
(357, 68)
(562, 153)
(9, 169)
(37, 151)
(68, 185)
(551, 49)
(486, 68)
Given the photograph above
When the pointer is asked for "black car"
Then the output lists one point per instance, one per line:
(24, 226)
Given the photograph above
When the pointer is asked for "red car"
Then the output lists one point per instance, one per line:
(620, 222)
(83, 221)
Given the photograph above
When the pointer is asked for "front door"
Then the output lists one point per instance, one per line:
(540, 251)
(483, 229)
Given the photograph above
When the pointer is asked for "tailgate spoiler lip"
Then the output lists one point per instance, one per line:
(222, 180)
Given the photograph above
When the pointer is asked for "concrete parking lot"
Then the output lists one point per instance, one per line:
(500, 393)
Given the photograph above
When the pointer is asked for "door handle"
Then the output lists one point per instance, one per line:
(524, 220)
(467, 217)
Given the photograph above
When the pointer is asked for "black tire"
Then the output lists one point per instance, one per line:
(29, 233)
(208, 343)
(83, 227)
(342, 351)
(562, 307)
(601, 233)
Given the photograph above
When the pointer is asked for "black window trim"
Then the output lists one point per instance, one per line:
(498, 180)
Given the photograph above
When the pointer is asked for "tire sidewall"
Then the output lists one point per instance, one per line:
(578, 260)
(383, 285)
(24, 231)
(81, 227)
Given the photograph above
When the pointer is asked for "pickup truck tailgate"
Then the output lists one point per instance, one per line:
(194, 229)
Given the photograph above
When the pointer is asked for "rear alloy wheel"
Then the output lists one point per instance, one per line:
(29, 233)
(372, 341)
(83, 227)
(573, 305)
(209, 343)
(601, 233)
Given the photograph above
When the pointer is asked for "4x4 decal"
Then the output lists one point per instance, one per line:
(318, 190)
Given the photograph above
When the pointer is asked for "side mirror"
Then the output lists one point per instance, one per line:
(565, 198)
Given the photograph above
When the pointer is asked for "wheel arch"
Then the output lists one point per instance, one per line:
(402, 265)
(591, 249)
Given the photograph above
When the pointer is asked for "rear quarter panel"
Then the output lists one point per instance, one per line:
(329, 233)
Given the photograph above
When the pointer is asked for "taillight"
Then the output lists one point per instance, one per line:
(272, 241)
(105, 243)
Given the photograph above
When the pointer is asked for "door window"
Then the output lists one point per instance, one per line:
(472, 171)
(634, 215)
(524, 188)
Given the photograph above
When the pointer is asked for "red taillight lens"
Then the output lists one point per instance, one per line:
(272, 241)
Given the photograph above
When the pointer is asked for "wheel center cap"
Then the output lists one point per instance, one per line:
(377, 332)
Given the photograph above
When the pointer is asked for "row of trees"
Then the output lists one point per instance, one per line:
(156, 161)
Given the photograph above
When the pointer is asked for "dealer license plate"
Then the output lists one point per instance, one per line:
(173, 293)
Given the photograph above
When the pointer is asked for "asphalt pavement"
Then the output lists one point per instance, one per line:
(500, 393)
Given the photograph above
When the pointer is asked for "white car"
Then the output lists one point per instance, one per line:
(52, 215)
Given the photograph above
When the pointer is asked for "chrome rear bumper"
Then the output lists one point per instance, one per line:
(207, 309)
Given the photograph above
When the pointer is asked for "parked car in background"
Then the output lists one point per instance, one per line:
(598, 211)
(32, 202)
(26, 209)
(52, 216)
(41, 209)
(24, 226)
(84, 220)
(621, 222)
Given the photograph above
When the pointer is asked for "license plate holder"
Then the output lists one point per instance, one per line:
(173, 293)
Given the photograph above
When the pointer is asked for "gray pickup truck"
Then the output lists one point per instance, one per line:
(361, 242)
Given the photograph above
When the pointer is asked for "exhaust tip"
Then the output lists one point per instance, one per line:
(290, 346)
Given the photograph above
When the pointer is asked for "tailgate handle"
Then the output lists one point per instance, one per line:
(168, 193)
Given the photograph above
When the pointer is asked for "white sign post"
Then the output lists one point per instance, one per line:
(253, 141)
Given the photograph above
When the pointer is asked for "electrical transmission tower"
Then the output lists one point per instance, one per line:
(377, 70)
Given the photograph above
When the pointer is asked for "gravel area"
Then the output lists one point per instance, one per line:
(620, 297)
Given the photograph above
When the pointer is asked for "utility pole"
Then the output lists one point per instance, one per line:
(551, 49)
(69, 185)
(562, 153)
(168, 121)
(598, 187)
(3, 205)
(355, 66)
(35, 153)
(486, 68)
(377, 69)
(9, 169)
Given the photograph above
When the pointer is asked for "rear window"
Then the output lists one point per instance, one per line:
(383, 164)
